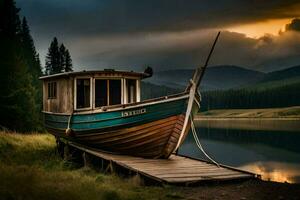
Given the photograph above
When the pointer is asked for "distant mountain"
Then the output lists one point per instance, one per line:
(285, 77)
(149, 91)
(215, 78)
(278, 64)
(288, 73)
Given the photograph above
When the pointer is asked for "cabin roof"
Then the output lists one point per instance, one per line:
(112, 72)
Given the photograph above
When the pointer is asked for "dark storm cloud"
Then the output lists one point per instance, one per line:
(189, 49)
(165, 34)
(294, 25)
(75, 17)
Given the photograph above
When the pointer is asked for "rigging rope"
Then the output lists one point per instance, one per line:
(199, 144)
(69, 130)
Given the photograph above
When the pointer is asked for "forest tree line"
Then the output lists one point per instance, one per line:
(20, 68)
(281, 96)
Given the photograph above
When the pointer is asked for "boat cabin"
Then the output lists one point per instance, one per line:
(90, 90)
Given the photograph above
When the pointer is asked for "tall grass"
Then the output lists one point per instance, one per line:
(30, 169)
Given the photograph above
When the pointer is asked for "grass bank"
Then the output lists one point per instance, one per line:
(30, 169)
(287, 112)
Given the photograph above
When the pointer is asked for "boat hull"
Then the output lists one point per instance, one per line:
(146, 130)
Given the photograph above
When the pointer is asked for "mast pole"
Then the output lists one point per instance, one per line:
(199, 72)
(192, 89)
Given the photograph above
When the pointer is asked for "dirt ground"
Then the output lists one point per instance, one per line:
(252, 189)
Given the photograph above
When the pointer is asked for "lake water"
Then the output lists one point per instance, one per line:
(269, 148)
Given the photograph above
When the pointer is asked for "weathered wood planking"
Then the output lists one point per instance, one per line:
(175, 170)
(63, 102)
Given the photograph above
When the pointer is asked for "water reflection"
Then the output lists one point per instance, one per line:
(273, 154)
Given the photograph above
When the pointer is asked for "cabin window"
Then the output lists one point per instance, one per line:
(114, 92)
(131, 90)
(100, 93)
(83, 93)
(52, 90)
(107, 92)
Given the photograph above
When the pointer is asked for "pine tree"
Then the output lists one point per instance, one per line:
(31, 59)
(9, 19)
(38, 61)
(62, 57)
(30, 54)
(53, 58)
(58, 59)
(68, 62)
(18, 106)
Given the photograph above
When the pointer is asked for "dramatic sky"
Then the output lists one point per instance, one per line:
(168, 34)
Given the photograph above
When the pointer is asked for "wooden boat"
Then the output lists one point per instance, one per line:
(103, 110)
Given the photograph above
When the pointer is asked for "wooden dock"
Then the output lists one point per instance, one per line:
(177, 170)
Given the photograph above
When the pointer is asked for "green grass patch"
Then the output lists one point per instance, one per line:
(31, 169)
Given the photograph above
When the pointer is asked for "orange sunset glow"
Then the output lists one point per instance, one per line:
(258, 29)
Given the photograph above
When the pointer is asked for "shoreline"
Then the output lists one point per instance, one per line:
(247, 118)
(255, 124)
(285, 113)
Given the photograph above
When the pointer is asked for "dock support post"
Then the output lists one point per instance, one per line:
(102, 164)
(66, 152)
(111, 167)
(60, 147)
(87, 160)
(138, 180)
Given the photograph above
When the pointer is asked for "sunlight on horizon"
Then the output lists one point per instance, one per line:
(259, 29)
(274, 171)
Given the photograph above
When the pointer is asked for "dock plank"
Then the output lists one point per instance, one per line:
(175, 170)
(205, 178)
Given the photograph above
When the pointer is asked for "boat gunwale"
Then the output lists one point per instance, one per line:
(102, 120)
(106, 129)
(119, 107)
(120, 125)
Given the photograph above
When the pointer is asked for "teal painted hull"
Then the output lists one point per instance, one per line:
(103, 120)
